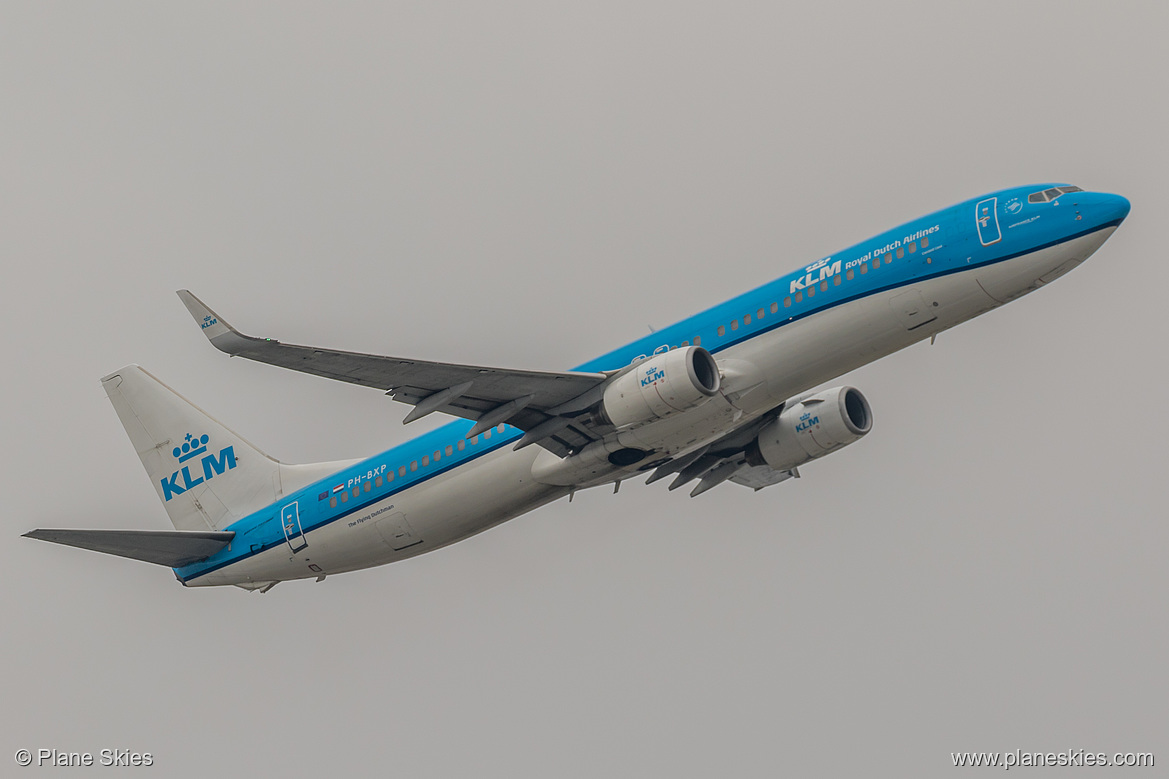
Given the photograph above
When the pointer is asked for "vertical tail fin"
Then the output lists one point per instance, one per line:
(206, 475)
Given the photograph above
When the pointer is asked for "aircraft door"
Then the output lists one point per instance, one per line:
(987, 218)
(290, 522)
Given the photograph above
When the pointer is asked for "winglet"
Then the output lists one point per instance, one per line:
(222, 336)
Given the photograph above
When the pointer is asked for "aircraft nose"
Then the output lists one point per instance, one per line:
(1116, 208)
(1105, 209)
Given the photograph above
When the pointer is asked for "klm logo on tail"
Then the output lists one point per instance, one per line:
(212, 465)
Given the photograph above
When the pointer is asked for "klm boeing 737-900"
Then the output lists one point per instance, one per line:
(727, 395)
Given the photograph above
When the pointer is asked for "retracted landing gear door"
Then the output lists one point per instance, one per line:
(911, 309)
(987, 217)
(397, 532)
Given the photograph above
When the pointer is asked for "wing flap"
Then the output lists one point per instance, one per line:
(172, 548)
(761, 476)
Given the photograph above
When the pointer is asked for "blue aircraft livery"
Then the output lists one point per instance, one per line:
(744, 403)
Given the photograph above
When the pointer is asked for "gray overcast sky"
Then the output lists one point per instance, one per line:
(529, 185)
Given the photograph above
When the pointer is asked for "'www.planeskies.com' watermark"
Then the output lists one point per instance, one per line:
(1068, 758)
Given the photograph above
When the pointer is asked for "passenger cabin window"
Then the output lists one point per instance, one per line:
(722, 330)
(925, 242)
(775, 306)
(759, 314)
(735, 325)
(698, 340)
(787, 302)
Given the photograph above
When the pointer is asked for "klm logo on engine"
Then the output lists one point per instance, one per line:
(652, 375)
(212, 465)
(806, 421)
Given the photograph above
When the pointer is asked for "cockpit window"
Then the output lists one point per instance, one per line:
(1047, 195)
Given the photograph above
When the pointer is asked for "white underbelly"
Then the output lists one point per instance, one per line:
(438, 512)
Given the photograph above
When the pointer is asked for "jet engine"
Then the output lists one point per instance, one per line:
(677, 380)
(811, 427)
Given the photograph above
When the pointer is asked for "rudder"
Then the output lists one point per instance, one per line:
(206, 475)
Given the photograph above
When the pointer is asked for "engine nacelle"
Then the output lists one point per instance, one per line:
(677, 380)
(811, 428)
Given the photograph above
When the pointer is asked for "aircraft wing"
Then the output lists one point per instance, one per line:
(547, 406)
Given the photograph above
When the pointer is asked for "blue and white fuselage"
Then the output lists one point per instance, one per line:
(770, 345)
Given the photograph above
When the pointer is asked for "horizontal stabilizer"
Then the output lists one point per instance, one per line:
(172, 548)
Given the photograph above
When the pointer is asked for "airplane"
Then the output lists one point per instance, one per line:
(725, 396)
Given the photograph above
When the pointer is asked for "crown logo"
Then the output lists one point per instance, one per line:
(192, 447)
(208, 321)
